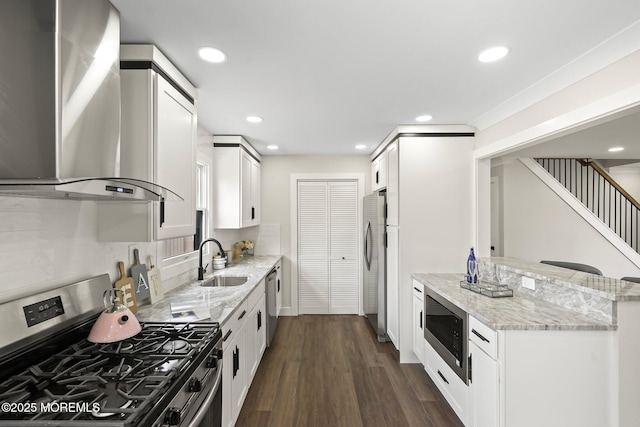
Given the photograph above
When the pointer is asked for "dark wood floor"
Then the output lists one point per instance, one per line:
(331, 371)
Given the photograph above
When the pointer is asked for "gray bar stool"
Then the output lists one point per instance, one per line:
(574, 266)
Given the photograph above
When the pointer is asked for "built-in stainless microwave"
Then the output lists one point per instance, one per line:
(446, 331)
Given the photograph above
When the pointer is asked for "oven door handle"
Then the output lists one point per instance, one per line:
(204, 408)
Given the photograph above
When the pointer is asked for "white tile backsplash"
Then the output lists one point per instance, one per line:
(50, 243)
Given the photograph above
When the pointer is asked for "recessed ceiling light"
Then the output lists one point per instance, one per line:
(615, 149)
(493, 54)
(211, 54)
(424, 118)
(272, 147)
(360, 147)
(254, 119)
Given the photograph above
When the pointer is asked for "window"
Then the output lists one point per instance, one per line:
(184, 245)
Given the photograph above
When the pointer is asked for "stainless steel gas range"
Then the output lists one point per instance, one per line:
(169, 374)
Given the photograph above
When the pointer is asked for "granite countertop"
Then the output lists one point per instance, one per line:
(604, 287)
(520, 312)
(219, 301)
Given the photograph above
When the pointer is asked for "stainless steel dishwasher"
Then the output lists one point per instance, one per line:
(272, 310)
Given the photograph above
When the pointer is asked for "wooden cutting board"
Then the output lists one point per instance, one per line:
(128, 295)
(140, 278)
(155, 281)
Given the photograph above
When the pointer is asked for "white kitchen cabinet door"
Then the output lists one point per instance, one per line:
(175, 160)
(279, 284)
(234, 377)
(418, 322)
(250, 188)
(256, 336)
(379, 172)
(393, 184)
(328, 274)
(157, 145)
(483, 389)
(392, 284)
(236, 182)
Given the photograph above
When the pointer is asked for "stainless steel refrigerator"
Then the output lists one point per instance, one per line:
(375, 277)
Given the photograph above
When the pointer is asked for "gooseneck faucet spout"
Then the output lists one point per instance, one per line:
(201, 270)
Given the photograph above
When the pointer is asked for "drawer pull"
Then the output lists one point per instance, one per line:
(442, 376)
(417, 289)
(227, 335)
(476, 333)
(242, 315)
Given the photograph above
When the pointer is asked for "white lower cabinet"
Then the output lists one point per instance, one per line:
(483, 389)
(244, 342)
(418, 322)
(393, 291)
(256, 336)
(279, 284)
(454, 390)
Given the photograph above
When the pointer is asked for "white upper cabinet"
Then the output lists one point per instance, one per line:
(236, 183)
(379, 172)
(393, 184)
(158, 136)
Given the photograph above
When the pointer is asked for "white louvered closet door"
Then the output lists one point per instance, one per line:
(327, 247)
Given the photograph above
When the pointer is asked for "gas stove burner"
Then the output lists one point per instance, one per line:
(98, 414)
(125, 346)
(176, 345)
(167, 366)
(121, 369)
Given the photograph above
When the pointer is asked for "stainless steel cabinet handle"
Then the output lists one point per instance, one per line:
(442, 376)
(476, 333)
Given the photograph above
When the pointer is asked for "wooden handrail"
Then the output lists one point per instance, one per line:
(610, 180)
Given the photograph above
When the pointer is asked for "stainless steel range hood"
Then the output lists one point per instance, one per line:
(60, 102)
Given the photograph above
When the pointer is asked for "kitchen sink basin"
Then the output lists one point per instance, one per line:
(225, 281)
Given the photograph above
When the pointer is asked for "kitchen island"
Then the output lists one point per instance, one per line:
(561, 354)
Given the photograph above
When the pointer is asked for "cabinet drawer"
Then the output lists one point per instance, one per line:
(233, 324)
(450, 385)
(418, 290)
(483, 336)
(255, 295)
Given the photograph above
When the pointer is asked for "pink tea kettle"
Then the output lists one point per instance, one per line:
(115, 323)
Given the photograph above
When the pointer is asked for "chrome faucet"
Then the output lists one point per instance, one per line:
(201, 270)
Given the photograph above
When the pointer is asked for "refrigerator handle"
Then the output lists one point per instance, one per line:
(367, 248)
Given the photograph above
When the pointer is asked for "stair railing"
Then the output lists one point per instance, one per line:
(593, 186)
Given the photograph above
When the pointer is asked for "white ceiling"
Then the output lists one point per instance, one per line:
(327, 75)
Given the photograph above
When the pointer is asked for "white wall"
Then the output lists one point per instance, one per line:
(628, 177)
(539, 225)
(276, 198)
(50, 243)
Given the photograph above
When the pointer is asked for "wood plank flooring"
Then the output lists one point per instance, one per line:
(332, 371)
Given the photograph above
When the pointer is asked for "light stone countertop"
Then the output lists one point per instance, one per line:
(604, 287)
(520, 312)
(220, 301)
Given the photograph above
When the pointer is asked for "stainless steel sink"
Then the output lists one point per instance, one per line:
(224, 281)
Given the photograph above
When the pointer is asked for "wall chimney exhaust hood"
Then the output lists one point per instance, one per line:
(60, 102)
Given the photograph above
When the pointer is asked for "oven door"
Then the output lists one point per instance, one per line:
(446, 331)
(210, 412)
(198, 402)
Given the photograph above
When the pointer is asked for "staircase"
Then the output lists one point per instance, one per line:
(596, 190)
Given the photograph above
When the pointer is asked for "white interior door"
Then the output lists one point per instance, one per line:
(313, 247)
(328, 247)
